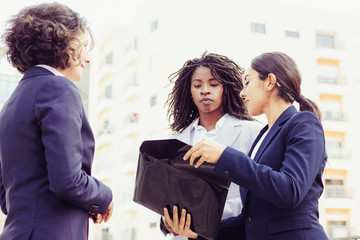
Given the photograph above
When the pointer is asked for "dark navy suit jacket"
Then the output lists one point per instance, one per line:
(280, 188)
(46, 153)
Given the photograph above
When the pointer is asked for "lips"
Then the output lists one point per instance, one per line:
(206, 100)
(246, 102)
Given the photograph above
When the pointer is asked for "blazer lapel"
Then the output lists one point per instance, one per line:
(184, 136)
(227, 135)
(229, 131)
(289, 112)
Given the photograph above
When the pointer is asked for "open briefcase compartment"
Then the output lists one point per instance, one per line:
(164, 179)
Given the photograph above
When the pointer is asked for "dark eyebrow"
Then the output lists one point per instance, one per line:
(212, 79)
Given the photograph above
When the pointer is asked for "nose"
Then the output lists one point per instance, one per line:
(242, 93)
(205, 90)
(88, 57)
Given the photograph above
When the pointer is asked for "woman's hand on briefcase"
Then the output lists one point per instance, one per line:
(181, 227)
(207, 149)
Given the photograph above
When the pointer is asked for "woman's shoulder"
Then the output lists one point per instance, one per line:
(254, 125)
(304, 117)
(304, 122)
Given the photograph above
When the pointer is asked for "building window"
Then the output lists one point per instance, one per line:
(153, 225)
(258, 27)
(334, 115)
(330, 80)
(334, 188)
(134, 118)
(325, 40)
(108, 92)
(328, 71)
(130, 234)
(335, 148)
(337, 229)
(134, 79)
(292, 34)
(154, 25)
(109, 58)
(153, 101)
(153, 62)
(135, 43)
(105, 234)
(107, 128)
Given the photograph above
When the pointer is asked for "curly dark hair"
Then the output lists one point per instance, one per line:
(44, 34)
(182, 110)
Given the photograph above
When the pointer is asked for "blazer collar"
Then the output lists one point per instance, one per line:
(36, 71)
(288, 113)
(227, 135)
(229, 131)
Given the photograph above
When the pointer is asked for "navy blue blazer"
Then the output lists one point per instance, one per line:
(46, 153)
(280, 188)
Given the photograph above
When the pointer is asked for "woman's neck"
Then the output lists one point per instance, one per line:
(208, 121)
(275, 108)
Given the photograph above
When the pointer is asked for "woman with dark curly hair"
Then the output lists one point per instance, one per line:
(205, 103)
(46, 143)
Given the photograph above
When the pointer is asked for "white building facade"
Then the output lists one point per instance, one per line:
(166, 33)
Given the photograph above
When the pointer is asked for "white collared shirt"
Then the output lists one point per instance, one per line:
(233, 203)
(256, 148)
(51, 69)
(198, 132)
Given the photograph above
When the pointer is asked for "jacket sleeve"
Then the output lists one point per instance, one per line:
(302, 158)
(2, 194)
(58, 109)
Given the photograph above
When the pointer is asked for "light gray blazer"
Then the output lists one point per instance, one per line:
(239, 134)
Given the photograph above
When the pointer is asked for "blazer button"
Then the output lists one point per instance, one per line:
(227, 173)
(248, 220)
(94, 208)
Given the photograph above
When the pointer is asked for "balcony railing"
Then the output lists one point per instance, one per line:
(347, 238)
(337, 191)
(338, 153)
(329, 80)
(337, 116)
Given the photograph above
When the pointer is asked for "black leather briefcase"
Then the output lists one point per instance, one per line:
(164, 179)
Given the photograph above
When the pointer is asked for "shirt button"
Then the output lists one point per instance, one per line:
(227, 173)
(248, 220)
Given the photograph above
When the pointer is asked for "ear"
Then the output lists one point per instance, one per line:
(271, 81)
